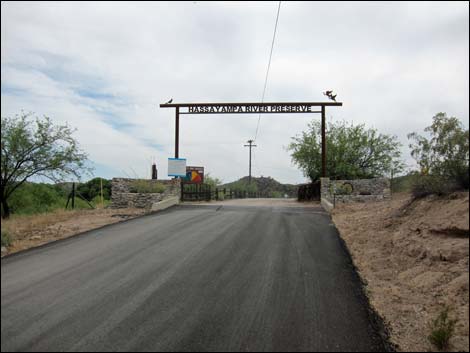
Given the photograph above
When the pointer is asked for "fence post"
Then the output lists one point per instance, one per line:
(231, 194)
(73, 196)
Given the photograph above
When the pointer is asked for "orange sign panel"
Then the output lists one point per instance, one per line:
(194, 175)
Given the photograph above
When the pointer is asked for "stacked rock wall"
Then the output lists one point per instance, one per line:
(359, 190)
(122, 197)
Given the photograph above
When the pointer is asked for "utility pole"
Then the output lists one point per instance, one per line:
(250, 145)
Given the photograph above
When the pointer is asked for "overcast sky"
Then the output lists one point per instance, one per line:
(105, 67)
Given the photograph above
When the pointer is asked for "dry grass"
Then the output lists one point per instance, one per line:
(28, 231)
(23, 226)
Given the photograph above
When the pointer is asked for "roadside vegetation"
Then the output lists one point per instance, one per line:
(353, 152)
(357, 152)
(443, 157)
(442, 330)
(6, 239)
(35, 198)
(212, 181)
(413, 251)
(143, 187)
(34, 147)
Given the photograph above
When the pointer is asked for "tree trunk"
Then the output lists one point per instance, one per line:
(5, 209)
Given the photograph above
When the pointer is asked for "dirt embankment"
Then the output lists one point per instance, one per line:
(31, 231)
(414, 258)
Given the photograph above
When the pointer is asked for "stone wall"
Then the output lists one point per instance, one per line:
(359, 190)
(121, 197)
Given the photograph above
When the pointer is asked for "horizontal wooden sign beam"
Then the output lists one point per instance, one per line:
(249, 108)
(252, 104)
(252, 112)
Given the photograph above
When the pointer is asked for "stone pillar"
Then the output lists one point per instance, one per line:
(324, 188)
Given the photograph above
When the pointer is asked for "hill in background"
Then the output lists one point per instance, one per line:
(266, 186)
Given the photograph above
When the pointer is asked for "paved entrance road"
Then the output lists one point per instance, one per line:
(192, 278)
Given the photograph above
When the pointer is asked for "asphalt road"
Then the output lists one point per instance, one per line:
(192, 278)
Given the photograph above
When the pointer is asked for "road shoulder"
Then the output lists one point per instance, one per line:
(411, 263)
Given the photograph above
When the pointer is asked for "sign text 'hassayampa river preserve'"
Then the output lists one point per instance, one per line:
(234, 109)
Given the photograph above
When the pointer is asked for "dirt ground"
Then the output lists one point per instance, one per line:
(414, 259)
(31, 231)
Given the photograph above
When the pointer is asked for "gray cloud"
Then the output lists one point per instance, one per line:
(105, 67)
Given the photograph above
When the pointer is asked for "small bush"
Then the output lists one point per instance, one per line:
(442, 330)
(6, 239)
(145, 187)
(402, 183)
(424, 185)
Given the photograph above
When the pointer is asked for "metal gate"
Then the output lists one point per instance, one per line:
(195, 192)
(309, 192)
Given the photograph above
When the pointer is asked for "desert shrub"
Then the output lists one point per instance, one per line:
(144, 187)
(31, 198)
(424, 185)
(444, 154)
(212, 181)
(92, 188)
(442, 330)
(96, 201)
(6, 239)
(221, 195)
(402, 183)
(36, 198)
(276, 194)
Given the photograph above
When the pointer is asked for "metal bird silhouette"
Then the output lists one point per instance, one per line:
(171, 100)
(330, 95)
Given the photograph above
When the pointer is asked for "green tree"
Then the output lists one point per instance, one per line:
(352, 151)
(445, 154)
(212, 181)
(92, 188)
(36, 148)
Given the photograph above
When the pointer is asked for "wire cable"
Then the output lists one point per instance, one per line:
(269, 66)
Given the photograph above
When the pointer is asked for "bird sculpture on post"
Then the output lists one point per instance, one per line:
(330, 95)
(171, 100)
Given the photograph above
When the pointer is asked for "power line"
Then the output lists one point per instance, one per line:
(269, 66)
